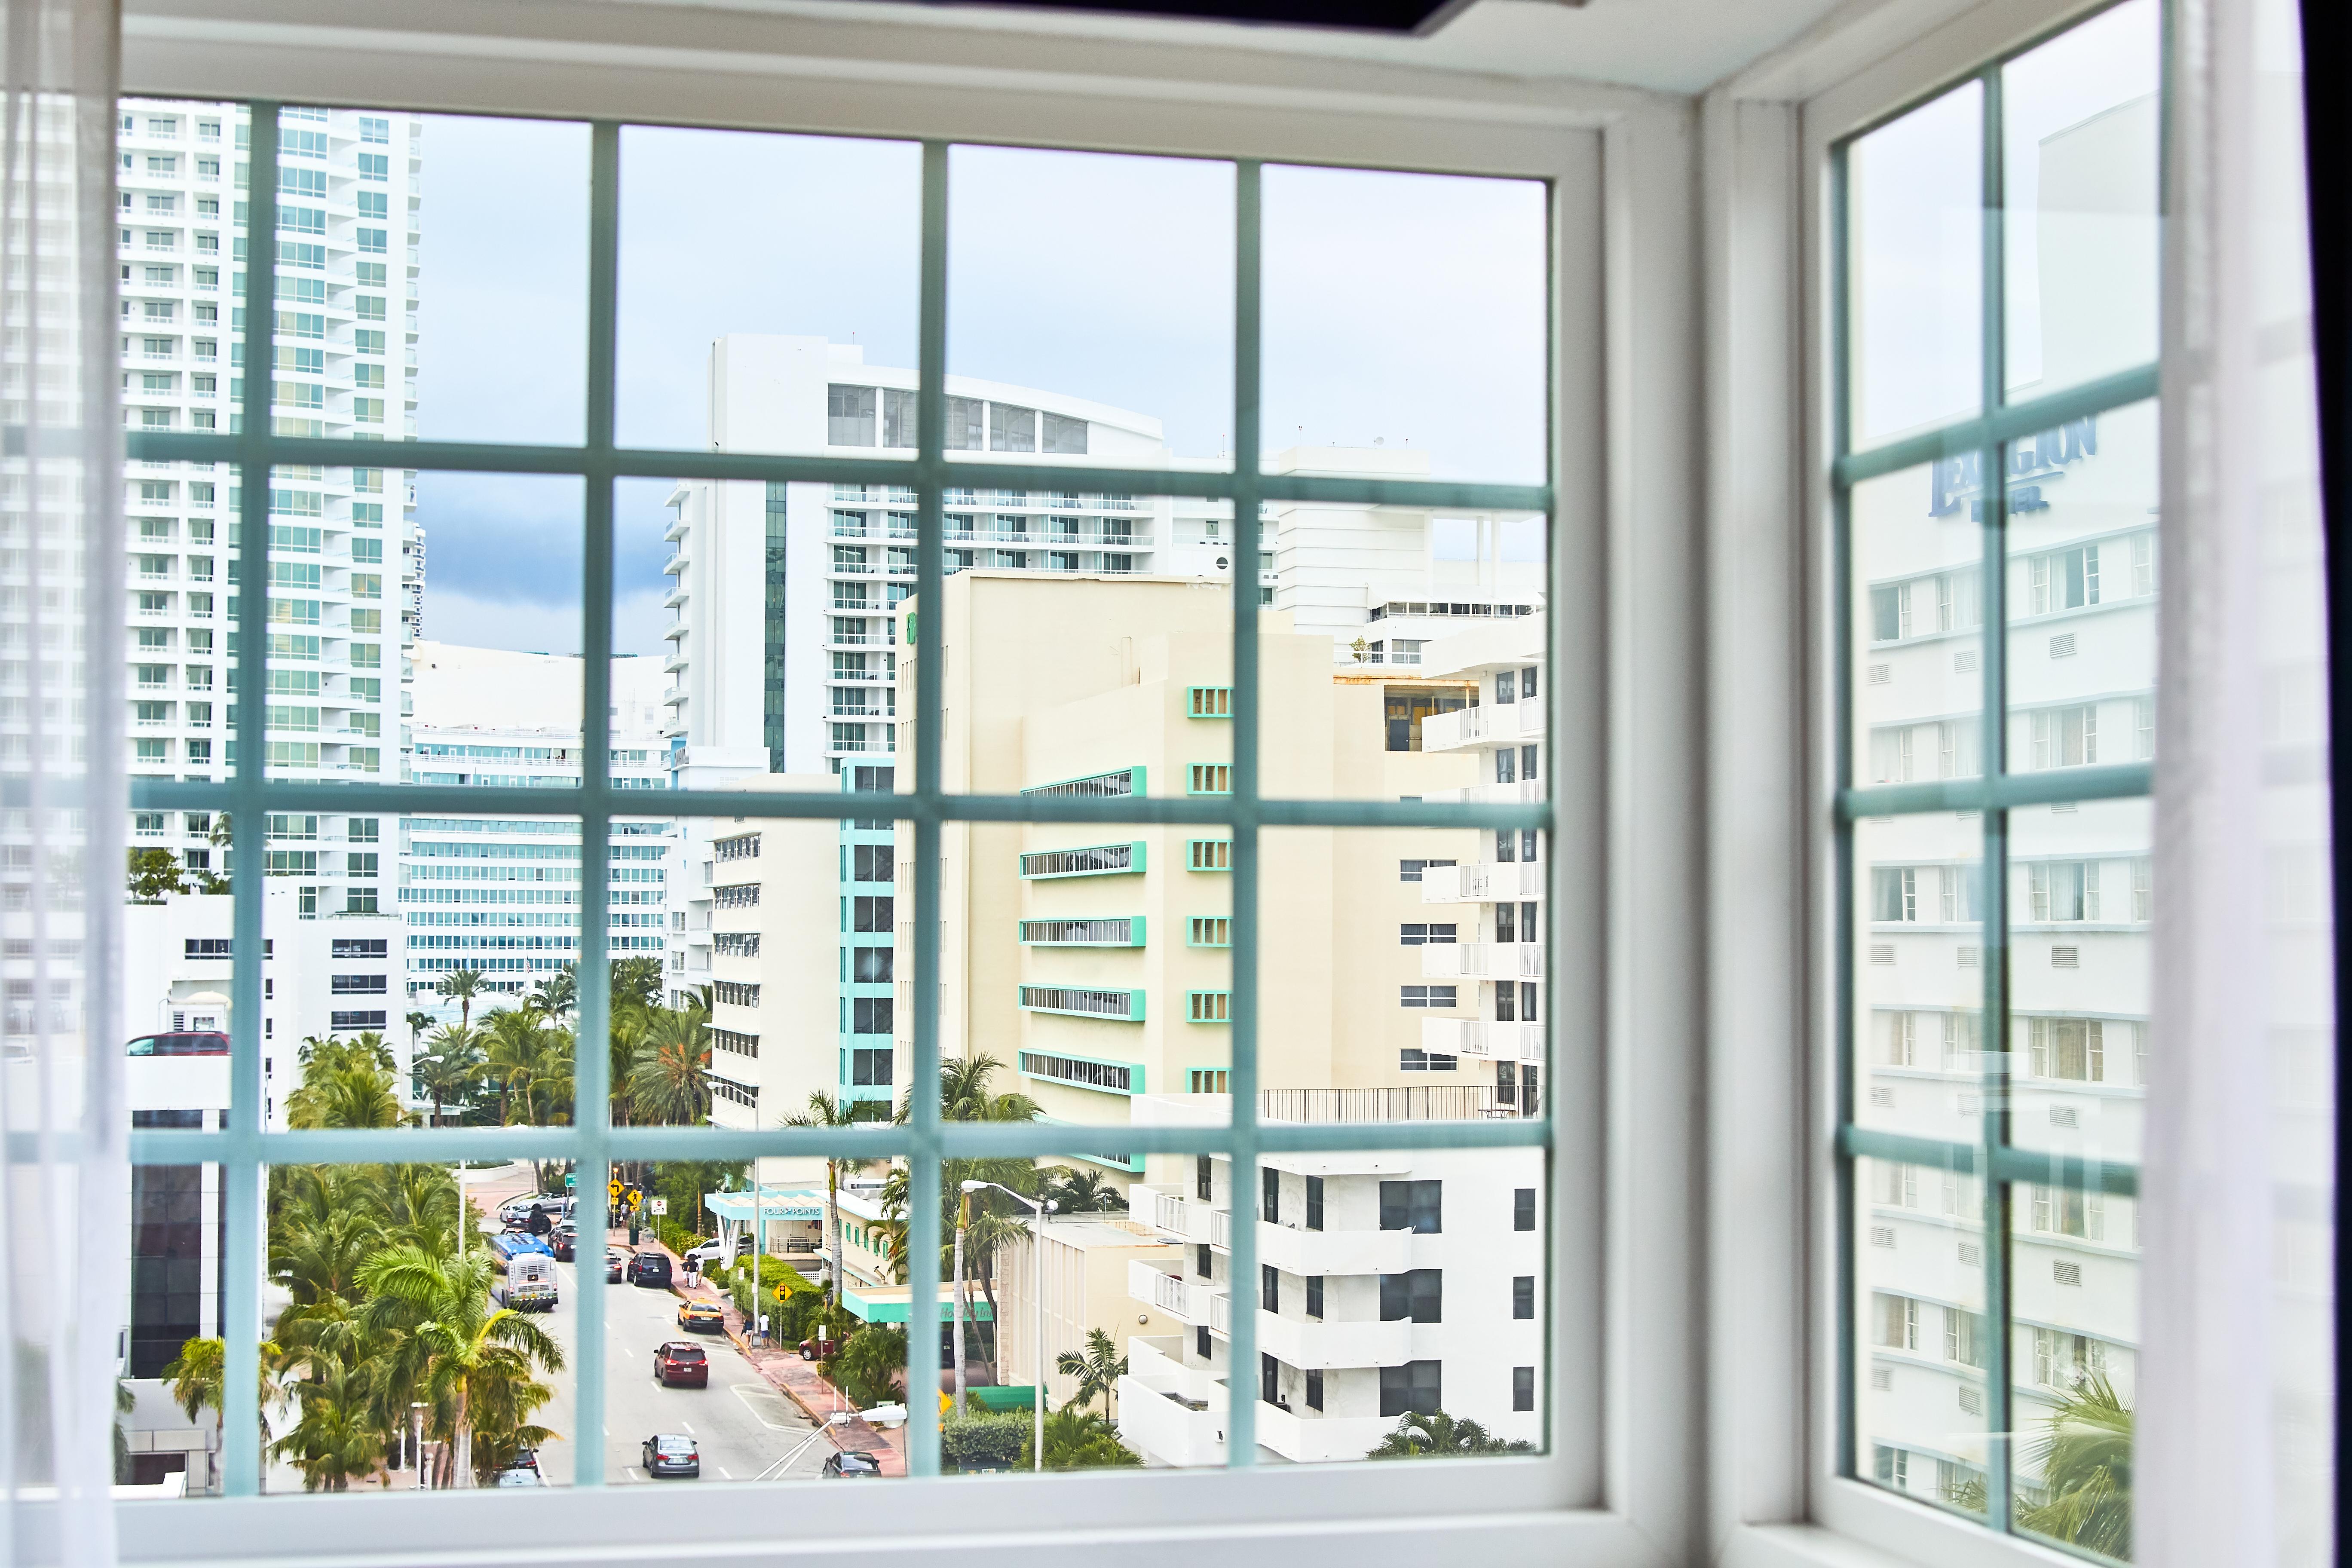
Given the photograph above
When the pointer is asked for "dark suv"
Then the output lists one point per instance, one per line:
(678, 1361)
(650, 1268)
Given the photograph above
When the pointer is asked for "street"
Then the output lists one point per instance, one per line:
(742, 1424)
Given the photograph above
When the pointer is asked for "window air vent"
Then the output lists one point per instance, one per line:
(1968, 958)
(1881, 674)
(2067, 1273)
(1883, 954)
(2063, 1116)
(1972, 1401)
(1964, 663)
(1883, 1236)
(1884, 1097)
(2065, 958)
(2063, 646)
(1971, 1255)
(1882, 1378)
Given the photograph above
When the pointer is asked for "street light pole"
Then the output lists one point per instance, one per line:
(1038, 1211)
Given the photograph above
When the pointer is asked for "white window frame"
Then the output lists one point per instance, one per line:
(1774, 995)
(1613, 1486)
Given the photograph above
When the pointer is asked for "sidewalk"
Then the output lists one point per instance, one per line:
(796, 1379)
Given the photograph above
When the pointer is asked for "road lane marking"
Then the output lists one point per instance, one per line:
(724, 1474)
(689, 1426)
(755, 1394)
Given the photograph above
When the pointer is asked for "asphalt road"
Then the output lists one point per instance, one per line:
(743, 1422)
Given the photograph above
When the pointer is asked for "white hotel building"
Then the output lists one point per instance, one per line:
(346, 558)
(502, 895)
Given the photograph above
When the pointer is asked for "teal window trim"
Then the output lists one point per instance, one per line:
(1208, 1007)
(1050, 997)
(1120, 784)
(1198, 850)
(1133, 864)
(1209, 931)
(1208, 702)
(2005, 781)
(1131, 1164)
(1209, 779)
(1043, 932)
(1030, 1062)
(253, 443)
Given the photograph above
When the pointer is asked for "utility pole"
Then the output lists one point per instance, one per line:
(963, 1219)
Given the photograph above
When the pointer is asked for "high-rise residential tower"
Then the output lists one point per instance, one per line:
(346, 562)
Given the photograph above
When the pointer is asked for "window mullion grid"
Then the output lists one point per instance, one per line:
(1241, 1372)
(240, 1171)
(2000, 1447)
(593, 1067)
(925, 1174)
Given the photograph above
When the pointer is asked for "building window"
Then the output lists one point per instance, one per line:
(1315, 1205)
(1523, 1388)
(1417, 1206)
(1523, 1295)
(1416, 1388)
(1949, 548)
(1417, 1294)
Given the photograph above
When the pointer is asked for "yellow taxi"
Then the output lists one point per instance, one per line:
(701, 1317)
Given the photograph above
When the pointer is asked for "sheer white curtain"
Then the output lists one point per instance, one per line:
(2236, 1381)
(65, 1182)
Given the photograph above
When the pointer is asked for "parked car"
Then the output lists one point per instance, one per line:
(524, 1459)
(650, 1267)
(520, 1478)
(672, 1455)
(180, 1043)
(852, 1465)
(704, 1254)
(701, 1317)
(820, 1350)
(616, 1262)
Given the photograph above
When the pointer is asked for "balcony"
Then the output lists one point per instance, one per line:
(1311, 1344)
(1173, 1413)
(1307, 1437)
(1183, 1218)
(1483, 1038)
(1193, 1302)
(1297, 1251)
(674, 663)
(1432, 1102)
(1495, 724)
(1526, 791)
(1483, 881)
(674, 631)
(675, 566)
(1482, 961)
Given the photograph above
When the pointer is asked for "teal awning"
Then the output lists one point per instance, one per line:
(775, 1204)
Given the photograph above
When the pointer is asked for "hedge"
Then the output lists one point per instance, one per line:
(992, 1442)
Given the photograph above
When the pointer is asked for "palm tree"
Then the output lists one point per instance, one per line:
(559, 993)
(1097, 1370)
(454, 1068)
(199, 1373)
(1439, 1436)
(1079, 1440)
(2086, 1458)
(462, 986)
(340, 1435)
(670, 1082)
(824, 1111)
(450, 1334)
(964, 1095)
(1082, 1192)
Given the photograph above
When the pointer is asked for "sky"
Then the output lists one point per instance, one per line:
(1404, 309)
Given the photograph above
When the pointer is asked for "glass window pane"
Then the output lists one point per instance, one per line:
(179, 526)
(1923, 1344)
(1059, 349)
(1917, 616)
(492, 275)
(2073, 1364)
(741, 326)
(1915, 196)
(1405, 324)
(2081, 901)
(1919, 970)
(2080, 125)
(1403, 974)
(2083, 593)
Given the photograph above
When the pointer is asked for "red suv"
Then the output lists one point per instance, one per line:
(678, 1361)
